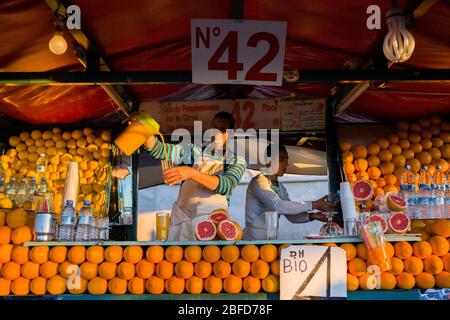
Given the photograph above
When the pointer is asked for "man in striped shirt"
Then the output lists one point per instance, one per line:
(208, 177)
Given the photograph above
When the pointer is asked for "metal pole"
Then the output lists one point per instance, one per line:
(135, 191)
(185, 77)
(332, 149)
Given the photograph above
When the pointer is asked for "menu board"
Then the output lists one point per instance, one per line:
(302, 115)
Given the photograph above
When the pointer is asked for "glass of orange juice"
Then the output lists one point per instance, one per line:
(166, 164)
(162, 226)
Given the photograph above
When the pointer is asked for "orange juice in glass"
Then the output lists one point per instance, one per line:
(162, 226)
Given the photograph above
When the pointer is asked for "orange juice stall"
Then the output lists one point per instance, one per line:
(79, 101)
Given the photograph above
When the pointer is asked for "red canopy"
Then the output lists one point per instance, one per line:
(155, 36)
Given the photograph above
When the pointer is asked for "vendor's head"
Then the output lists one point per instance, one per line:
(277, 159)
(222, 121)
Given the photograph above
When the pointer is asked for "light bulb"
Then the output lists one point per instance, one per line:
(399, 43)
(291, 75)
(58, 44)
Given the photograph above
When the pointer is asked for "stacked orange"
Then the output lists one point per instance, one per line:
(422, 265)
(425, 142)
(195, 269)
(134, 269)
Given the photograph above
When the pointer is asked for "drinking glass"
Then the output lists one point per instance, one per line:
(166, 164)
(126, 218)
(271, 218)
(162, 226)
(351, 227)
(330, 228)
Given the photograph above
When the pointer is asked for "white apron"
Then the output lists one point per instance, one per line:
(195, 202)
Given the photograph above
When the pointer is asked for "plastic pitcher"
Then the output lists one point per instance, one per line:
(142, 126)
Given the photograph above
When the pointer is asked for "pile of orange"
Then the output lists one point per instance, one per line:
(196, 269)
(425, 142)
(133, 269)
(424, 264)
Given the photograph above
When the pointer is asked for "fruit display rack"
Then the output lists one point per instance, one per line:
(342, 239)
(395, 294)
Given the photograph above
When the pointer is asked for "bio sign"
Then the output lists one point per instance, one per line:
(237, 51)
(313, 272)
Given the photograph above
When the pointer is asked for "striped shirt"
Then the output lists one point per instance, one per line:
(186, 154)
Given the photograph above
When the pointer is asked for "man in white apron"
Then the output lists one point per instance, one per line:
(207, 183)
(266, 193)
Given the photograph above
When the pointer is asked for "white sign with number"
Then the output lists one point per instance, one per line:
(312, 273)
(237, 51)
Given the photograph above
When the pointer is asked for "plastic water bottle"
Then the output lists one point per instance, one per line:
(42, 187)
(85, 220)
(438, 194)
(424, 197)
(2, 173)
(95, 228)
(103, 226)
(67, 226)
(21, 194)
(31, 192)
(11, 189)
(408, 191)
(31, 189)
(447, 197)
(41, 167)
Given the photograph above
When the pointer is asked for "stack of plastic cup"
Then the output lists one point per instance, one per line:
(349, 213)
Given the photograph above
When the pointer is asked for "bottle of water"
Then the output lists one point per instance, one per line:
(85, 219)
(424, 197)
(11, 189)
(67, 226)
(41, 167)
(31, 191)
(21, 194)
(438, 194)
(95, 228)
(42, 187)
(103, 228)
(447, 197)
(408, 191)
(2, 173)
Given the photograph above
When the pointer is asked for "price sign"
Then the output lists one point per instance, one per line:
(304, 114)
(313, 273)
(237, 51)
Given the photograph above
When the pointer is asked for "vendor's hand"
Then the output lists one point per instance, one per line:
(178, 174)
(318, 216)
(323, 205)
